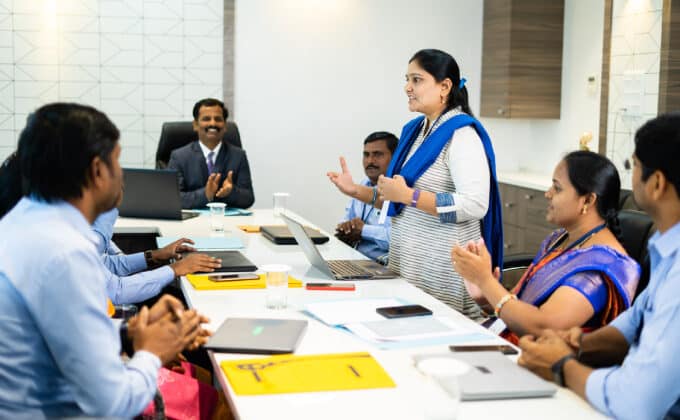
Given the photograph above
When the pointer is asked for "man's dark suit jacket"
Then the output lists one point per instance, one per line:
(193, 175)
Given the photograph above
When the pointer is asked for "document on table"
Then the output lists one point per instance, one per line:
(206, 243)
(340, 312)
(414, 328)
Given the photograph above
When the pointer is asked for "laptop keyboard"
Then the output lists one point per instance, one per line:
(346, 268)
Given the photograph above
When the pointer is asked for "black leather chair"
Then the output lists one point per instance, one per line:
(636, 229)
(179, 133)
(626, 201)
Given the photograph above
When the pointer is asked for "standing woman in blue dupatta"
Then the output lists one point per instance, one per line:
(581, 275)
(441, 183)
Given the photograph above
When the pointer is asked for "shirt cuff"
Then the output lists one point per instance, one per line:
(446, 207)
(137, 262)
(168, 274)
(148, 365)
(622, 323)
(595, 389)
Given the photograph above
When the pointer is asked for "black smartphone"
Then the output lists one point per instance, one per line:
(217, 277)
(503, 348)
(403, 311)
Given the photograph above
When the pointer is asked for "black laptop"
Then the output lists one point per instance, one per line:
(281, 235)
(232, 261)
(152, 194)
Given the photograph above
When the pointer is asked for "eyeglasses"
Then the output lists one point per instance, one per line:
(257, 368)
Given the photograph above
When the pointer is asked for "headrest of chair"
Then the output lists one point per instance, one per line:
(636, 229)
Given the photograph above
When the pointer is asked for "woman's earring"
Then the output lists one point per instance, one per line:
(442, 99)
(584, 210)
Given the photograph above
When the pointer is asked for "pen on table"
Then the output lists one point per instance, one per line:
(330, 286)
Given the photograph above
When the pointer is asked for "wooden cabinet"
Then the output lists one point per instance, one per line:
(522, 58)
(524, 224)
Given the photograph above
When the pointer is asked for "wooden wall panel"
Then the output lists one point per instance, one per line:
(496, 59)
(669, 73)
(604, 79)
(522, 58)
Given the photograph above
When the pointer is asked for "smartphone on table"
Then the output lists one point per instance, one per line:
(503, 348)
(218, 277)
(403, 311)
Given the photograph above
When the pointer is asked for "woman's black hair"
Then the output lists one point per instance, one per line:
(593, 173)
(442, 66)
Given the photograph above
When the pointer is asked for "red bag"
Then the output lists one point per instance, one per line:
(186, 398)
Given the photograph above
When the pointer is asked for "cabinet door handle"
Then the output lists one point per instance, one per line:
(528, 197)
(507, 246)
(508, 205)
(500, 111)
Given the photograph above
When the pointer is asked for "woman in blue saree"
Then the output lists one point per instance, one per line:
(581, 275)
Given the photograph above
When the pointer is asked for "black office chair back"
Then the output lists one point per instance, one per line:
(179, 133)
(626, 201)
(636, 229)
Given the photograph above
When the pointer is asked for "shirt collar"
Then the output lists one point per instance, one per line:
(667, 243)
(205, 150)
(70, 214)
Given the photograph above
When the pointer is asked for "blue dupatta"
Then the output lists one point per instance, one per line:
(426, 155)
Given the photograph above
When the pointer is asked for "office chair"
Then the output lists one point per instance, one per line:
(179, 133)
(636, 229)
(626, 201)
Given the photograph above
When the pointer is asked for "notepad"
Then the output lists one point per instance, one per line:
(203, 282)
(312, 373)
(205, 243)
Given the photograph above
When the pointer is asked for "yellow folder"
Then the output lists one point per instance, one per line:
(203, 282)
(313, 373)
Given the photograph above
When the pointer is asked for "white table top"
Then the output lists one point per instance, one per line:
(415, 397)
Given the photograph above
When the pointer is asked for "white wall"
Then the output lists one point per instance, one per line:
(142, 62)
(313, 78)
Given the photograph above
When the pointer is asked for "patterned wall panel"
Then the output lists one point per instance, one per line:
(634, 75)
(142, 62)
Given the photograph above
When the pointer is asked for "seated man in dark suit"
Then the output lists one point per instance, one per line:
(211, 169)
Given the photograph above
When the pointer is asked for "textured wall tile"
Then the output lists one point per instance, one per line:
(143, 62)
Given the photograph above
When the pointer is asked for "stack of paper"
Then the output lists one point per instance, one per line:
(359, 316)
(210, 243)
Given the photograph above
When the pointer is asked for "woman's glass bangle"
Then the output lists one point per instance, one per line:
(505, 299)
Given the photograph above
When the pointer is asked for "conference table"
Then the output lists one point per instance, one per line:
(415, 396)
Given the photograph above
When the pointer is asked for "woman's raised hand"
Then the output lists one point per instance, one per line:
(473, 262)
(343, 180)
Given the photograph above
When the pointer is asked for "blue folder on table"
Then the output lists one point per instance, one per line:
(205, 243)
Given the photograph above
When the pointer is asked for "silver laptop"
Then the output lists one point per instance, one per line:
(257, 336)
(152, 194)
(493, 376)
(337, 269)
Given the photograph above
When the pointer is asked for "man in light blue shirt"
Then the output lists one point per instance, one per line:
(126, 282)
(359, 227)
(59, 351)
(637, 370)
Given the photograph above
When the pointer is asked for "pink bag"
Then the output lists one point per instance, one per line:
(186, 398)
